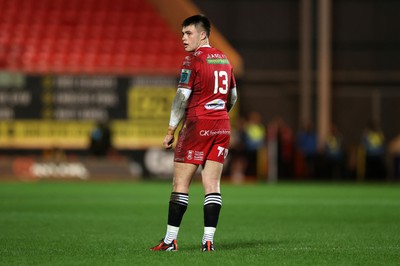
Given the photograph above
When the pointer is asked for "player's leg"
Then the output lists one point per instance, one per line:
(183, 173)
(211, 177)
(179, 200)
(178, 203)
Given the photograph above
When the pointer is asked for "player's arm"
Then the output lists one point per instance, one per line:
(233, 92)
(177, 113)
(233, 98)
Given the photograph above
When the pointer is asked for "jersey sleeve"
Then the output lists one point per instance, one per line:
(188, 73)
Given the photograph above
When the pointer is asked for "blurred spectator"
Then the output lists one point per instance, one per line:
(285, 150)
(307, 148)
(272, 143)
(334, 154)
(254, 137)
(237, 152)
(373, 142)
(280, 135)
(100, 140)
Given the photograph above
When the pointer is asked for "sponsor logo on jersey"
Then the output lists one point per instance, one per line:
(216, 56)
(217, 61)
(187, 61)
(185, 76)
(216, 104)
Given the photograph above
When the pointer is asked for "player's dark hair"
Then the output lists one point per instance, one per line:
(198, 20)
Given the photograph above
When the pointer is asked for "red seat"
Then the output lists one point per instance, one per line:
(86, 36)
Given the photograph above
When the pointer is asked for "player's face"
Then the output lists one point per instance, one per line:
(192, 38)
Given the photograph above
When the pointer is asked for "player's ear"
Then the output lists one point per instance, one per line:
(203, 35)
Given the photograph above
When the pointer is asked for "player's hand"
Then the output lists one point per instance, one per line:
(168, 141)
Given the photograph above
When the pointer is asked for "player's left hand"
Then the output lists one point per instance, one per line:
(168, 141)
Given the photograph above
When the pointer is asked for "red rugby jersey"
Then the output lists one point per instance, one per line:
(208, 73)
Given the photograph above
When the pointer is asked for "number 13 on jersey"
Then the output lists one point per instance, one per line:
(220, 77)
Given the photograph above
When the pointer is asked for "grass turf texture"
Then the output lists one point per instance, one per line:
(116, 224)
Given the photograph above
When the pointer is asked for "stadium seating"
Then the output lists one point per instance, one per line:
(90, 36)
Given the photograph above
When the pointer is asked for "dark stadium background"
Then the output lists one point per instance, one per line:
(67, 65)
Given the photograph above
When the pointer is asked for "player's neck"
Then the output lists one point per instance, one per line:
(205, 44)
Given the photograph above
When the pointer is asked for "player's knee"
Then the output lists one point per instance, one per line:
(179, 186)
(211, 187)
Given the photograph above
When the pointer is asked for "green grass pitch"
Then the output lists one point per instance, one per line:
(82, 223)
